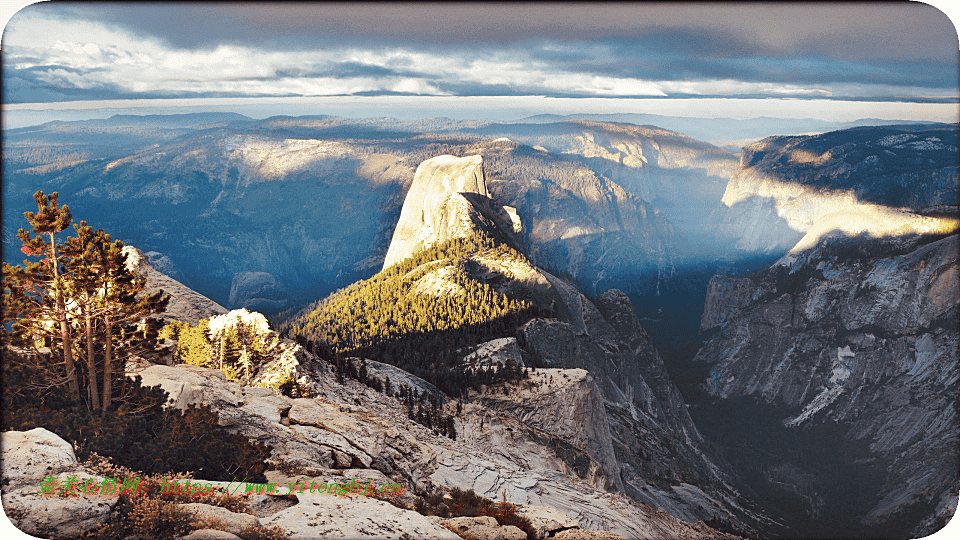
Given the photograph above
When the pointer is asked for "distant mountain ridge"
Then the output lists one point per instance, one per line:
(723, 131)
(786, 184)
(312, 201)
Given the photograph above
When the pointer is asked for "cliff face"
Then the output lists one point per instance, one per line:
(786, 185)
(854, 341)
(447, 199)
(725, 295)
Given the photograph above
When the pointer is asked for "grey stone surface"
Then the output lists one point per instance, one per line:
(868, 342)
(233, 522)
(321, 515)
(28, 458)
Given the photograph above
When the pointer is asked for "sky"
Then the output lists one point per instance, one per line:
(836, 61)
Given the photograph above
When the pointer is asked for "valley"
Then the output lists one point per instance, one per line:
(618, 321)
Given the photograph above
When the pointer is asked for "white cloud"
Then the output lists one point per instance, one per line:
(734, 87)
(93, 56)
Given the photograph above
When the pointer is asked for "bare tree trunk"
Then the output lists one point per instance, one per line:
(107, 365)
(246, 365)
(91, 362)
(64, 325)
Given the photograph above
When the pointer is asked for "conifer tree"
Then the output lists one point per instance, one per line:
(40, 287)
(84, 282)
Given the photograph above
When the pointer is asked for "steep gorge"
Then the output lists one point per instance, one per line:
(830, 377)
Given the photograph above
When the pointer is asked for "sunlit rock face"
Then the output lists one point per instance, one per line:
(850, 353)
(617, 418)
(436, 208)
(786, 185)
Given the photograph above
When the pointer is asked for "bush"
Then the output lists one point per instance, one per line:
(469, 504)
(154, 515)
(138, 432)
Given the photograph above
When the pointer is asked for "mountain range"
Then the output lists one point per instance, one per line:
(765, 343)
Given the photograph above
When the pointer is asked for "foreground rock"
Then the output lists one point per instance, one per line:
(28, 458)
(482, 527)
(330, 438)
(321, 515)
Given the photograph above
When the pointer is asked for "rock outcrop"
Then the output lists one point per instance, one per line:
(350, 431)
(448, 199)
(185, 304)
(28, 458)
(855, 343)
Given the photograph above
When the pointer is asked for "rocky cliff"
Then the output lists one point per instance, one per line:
(786, 185)
(448, 199)
(849, 350)
(185, 303)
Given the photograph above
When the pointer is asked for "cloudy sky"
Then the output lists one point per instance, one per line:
(905, 53)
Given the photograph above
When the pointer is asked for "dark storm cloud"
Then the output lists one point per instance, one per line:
(551, 49)
(908, 31)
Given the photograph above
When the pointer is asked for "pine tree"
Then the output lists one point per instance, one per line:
(84, 282)
(40, 288)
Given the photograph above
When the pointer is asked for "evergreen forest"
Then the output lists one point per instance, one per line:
(387, 319)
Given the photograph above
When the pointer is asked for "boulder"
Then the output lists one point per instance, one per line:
(547, 521)
(209, 534)
(35, 453)
(193, 385)
(28, 458)
(483, 527)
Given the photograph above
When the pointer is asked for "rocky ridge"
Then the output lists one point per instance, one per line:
(787, 187)
(185, 304)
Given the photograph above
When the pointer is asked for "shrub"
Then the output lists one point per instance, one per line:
(138, 433)
(154, 515)
(466, 503)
